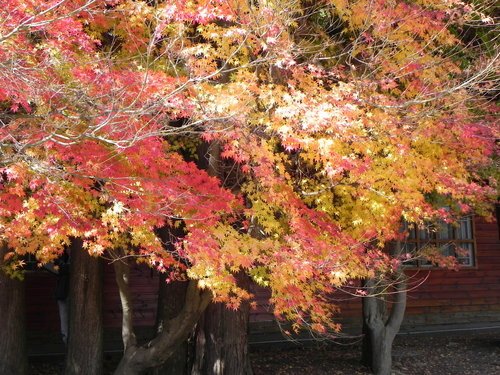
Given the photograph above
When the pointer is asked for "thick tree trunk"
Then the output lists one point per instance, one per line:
(222, 342)
(221, 335)
(222, 339)
(13, 359)
(366, 349)
(171, 299)
(174, 333)
(379, 328)
(85, 344)
(381, 341)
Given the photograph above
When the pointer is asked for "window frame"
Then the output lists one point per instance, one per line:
(433, 240)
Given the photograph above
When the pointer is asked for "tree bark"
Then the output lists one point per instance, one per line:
(171, 297)
(366, 348)
(156, 352)
(85, 344)
(222, 339)
(221, 343)
(381, 351)
(382, 329)
(13, 358)
(122, 277)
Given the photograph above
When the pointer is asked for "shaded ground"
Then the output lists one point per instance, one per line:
(457, 354)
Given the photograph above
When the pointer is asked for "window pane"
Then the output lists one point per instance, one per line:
(423, 233)
(465, 254)
(464, 231)
(411, 232)
(447, 249)
(444, 231)
(409, 249)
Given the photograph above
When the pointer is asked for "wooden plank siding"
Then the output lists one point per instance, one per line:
(144, 290)
(41, 305)
(465, 296)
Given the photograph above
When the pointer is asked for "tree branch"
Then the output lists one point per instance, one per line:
(398, 309)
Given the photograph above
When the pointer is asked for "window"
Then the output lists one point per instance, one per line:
(451, 239)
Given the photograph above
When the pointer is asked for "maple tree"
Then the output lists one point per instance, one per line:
(336, 118)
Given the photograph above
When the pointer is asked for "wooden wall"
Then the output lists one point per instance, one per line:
(144, 296)
(41, 305)
(466, 296)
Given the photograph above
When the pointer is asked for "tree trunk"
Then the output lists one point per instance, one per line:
(13, 358)
(222, 339)
(85, 344)
(221, 336)
(171, 297)
(366, 348)
(381, 351)
(382, 329)
(174, 333)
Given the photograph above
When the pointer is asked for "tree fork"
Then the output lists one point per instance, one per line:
(156, 352)
(171, 298)
(379, 330)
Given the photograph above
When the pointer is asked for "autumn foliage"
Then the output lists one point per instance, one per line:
(335, 119)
